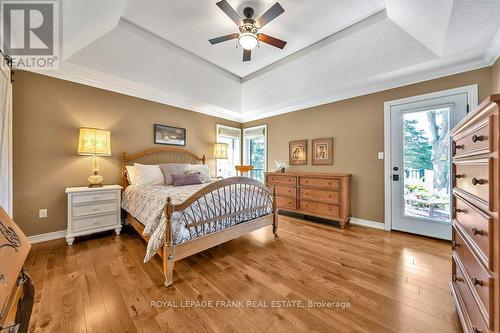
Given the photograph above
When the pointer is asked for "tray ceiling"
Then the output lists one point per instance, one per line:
(159, 50)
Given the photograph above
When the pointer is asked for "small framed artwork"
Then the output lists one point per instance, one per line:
(298, 152)
(169, 135)
(322, 151)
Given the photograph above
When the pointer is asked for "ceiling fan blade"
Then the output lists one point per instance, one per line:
(272, 41)
(221, 39)
(247, 55)
(272, 13)
(233, 15)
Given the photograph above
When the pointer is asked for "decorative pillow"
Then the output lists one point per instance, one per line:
(131, 177)
(202, 170)
(187, 179)
(148, 175)
(170, 169)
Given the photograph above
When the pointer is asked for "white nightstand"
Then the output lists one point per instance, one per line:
(92, 210)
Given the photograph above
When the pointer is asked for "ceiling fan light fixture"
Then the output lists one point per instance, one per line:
(248, 40)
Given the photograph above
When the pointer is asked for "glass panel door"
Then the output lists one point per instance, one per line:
(426, 163)
(421, 164)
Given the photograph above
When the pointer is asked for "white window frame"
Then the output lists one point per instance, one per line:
(246, 151)
(217, 127)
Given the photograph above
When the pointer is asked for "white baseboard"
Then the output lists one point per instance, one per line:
(367, 223)
(47, 237)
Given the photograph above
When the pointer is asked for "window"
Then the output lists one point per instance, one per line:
(255, 150)
(231, 136)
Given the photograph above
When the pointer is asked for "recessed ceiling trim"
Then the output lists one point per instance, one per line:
(343, 33)
(377, 84)
(157, 39)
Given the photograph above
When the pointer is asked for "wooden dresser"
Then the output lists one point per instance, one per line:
(325, 195)
(476, 199)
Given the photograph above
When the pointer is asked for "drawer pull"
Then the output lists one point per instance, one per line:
(456, 278)
(476, 330)
(476, 181)
(458, 210)
(459, 176)
(459, 147)
(477, 282)
(476, 138)
(454, 245)
(476, 231)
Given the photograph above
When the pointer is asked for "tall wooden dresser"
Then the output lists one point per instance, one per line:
(325, 195)
(476, 233)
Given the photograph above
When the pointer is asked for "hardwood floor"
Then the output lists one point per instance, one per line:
(393, 282)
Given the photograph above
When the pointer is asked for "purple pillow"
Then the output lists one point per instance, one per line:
(187, 179)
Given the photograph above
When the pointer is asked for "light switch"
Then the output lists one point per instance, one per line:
(42, 213)
(380, 155)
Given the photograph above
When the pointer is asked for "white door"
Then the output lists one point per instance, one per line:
(420, 163)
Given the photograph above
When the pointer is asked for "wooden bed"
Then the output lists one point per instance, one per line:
(173, 252)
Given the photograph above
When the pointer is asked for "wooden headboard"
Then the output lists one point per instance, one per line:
(158, 155)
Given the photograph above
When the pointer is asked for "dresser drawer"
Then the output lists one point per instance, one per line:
(329, 197)
(331, 184)
(286, 191)
(473, 319)
(286, 203)
(94, 197)
(475, 274)
(87, 223)
(473, 177)
(478, 226)
(97, 208)
(474, 142)
(281, 180)
(320, 208)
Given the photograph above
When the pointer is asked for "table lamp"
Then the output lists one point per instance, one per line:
(220, 153)
(95, 142)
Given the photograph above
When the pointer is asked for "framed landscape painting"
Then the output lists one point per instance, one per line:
(322, 151)
(169, 135)
(298, 152)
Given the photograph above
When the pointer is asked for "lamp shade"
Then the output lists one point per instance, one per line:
(220, 150)
(94, 141)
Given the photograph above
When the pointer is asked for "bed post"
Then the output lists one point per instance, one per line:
(204, 159)
(124, 170)
(275, 214)
(168, 247)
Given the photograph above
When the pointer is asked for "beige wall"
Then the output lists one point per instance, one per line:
(357, 126)
(47, 115)
(495, 76)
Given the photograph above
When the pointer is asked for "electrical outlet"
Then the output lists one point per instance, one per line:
(380, 155)
(42, 213)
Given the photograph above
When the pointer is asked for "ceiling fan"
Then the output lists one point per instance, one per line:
(249, 35)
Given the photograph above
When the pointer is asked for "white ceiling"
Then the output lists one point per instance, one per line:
(159, 50)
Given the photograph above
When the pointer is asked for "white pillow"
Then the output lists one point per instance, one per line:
(131, 177)
(148, 175)
(170, 169)
(201, 169)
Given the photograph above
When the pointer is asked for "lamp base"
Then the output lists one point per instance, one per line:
(95, 180)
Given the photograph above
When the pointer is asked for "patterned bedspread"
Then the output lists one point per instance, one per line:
(223, 207)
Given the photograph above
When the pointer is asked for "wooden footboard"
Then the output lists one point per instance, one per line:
(236, 189)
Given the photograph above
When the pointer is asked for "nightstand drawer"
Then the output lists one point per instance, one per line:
(91, 197)
(95, 209)
(93, 222)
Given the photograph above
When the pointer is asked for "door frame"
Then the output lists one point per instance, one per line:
(470, 90)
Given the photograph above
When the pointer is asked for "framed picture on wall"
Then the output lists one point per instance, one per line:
(298, 152)
(322, 151)
(169, 135)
